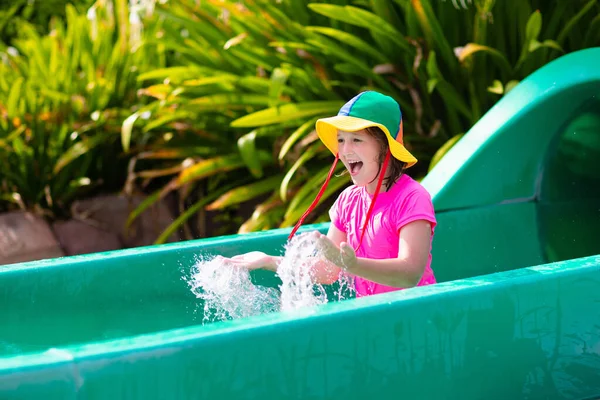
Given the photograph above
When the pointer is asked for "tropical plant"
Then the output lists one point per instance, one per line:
(233, 117)
(38, 13)
(63, 98)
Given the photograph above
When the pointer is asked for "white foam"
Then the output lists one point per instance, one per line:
(229, 293)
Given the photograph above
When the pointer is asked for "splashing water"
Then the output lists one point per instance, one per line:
(298, 289)
(229, 293)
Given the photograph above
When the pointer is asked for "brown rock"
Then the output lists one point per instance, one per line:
(110, 213)
(79, 237)
(26, 237)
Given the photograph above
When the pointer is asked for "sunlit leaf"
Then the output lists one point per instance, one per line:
(77, 150)
(126, 129)
(441, 152)
(295, 136)
(189, 212)
(247, 147)
(350, 40)
(472, 48)
(287, 112)
(245, 193)
(284, 187)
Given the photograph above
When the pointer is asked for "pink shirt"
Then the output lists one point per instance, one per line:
(405, 202)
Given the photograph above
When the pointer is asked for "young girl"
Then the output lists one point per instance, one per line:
(382, 226)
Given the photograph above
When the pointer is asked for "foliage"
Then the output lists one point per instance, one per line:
(63, 98)
(250, 79)
(13, 13)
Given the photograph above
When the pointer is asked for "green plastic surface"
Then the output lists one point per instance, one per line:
(515, 314)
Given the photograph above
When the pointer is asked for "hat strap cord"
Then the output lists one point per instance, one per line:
(316, 200)
(379, 181)
(320, 194)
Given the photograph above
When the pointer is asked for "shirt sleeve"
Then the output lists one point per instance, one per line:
(416, 206)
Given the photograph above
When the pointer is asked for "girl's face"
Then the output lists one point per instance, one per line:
(359, 152)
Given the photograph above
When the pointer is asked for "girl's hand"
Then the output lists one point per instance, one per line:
(252, 260)
(343, 257)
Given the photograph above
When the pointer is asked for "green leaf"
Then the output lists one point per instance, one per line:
(532, 30)
(79, 149)
(442, 151)
(295, 136)
(453, 99)
(534, 45)
(228, 100)
(472, 48)
(573, 21)
(173, 73)
(165, 119)
(147, 202)
(534, 26)
(287, 112)
(175, 225)
(496, 88)
(126, 129)
(247, 147)
(209, 167)
(245, 193)
(363, 18)
(278, 80)
(14, 97)
(434, 34)
(350, 40)
(307, 155)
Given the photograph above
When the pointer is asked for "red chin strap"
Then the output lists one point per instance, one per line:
(316, 200)
(379, 181)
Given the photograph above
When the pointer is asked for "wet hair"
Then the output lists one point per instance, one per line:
(395, 166)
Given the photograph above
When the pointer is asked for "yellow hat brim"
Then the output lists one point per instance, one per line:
(327, 130)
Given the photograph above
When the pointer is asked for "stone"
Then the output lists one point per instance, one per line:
(79, 237)
(110, 213)
(26, 237)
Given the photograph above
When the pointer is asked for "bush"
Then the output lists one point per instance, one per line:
(233, 116)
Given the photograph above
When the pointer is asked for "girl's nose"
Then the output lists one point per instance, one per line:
(345, 148)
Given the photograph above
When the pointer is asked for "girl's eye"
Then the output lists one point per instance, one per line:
(340, 140)
(357, 140)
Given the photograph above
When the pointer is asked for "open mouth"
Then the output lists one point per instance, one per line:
(355, 167)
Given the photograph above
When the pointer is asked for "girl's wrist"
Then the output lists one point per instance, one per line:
(272, 263)
(349, 265)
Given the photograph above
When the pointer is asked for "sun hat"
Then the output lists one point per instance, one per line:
(367, 109)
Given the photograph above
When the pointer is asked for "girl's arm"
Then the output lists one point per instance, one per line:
(324, 271)
(402, 272)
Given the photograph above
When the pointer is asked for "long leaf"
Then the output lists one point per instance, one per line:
(126, 129)
(245, 193)
(247, 147)
(350, 40)
(295, 136)
(472, 48)
(287, 112)
(307, 155)
(433, 32)
(179, 221)
(573, 21)
(79, 149)
(363, 18)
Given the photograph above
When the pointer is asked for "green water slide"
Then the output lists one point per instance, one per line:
(516, 314)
